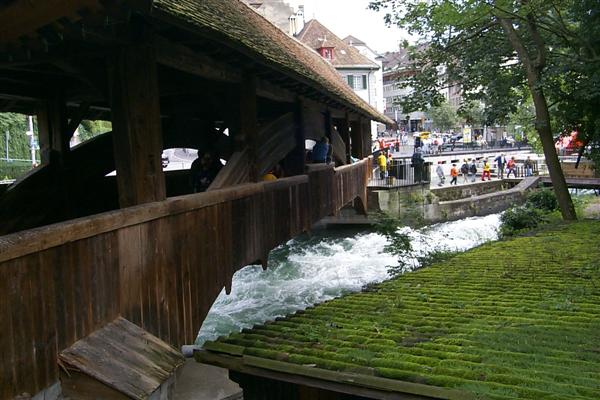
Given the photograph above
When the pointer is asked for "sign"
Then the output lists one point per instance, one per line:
(467, 135)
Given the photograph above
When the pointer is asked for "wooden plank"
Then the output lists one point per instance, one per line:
(339, 149)
(273, 92)
(276, 140)
(124, 357)
(249, 123)
(137, 137)
(183, 58)
(38, 239)
(234, 172)
(52, 127)
(24, 17)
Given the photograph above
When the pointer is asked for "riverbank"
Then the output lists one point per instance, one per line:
(511, 319)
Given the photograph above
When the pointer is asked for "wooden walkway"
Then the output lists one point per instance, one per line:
(159, 265)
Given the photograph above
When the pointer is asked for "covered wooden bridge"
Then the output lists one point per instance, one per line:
(104, 276)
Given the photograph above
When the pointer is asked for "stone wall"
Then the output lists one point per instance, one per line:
(416, 205)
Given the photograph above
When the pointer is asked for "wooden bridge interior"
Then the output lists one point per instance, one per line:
(81, 249)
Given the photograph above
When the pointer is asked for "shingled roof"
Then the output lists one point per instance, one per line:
(240, 27)
(315, 35)
(516, 319)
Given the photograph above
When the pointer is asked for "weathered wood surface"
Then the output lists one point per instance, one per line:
(160, 265)
(122, 356)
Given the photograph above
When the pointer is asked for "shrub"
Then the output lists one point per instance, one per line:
(13, 170)
(543, 199)
(517, 219)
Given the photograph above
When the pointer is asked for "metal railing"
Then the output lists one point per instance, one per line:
(400, 172)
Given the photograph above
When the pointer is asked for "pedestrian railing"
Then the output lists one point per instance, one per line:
(400, 172)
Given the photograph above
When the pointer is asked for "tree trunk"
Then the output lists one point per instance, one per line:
(542, 125)
(534, 70)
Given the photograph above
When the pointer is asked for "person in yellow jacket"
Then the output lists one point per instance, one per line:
(382, 163)
(486, 171)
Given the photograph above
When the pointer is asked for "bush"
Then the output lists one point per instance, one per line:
(517, 219)
(13, 170)
(543, 199)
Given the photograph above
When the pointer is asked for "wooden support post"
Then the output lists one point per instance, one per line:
(344, 131)
(357, 139)
(328, 133)
(136, 125)
(249, 123)
(366, 138)
(296, 160)
(52, 127)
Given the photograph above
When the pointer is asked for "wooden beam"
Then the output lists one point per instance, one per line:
(184, 59)
(53, 126)
(274, 92)
(343, 125)
(276, 140)
(296, 160)
(136, 125)
(357, 139)
(338, 148)
(76, 119)
(249, 123)
(22, 18)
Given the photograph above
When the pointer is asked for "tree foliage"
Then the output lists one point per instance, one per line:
(443, 117)
(18, 142)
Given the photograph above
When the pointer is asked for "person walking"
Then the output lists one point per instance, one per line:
(464, 170)
(454, 175)
(486, 171)
(528, 166)
(510, 166)
(382, 163)
(500, 162)
(417, 163)
(440, 173)
(473, 170)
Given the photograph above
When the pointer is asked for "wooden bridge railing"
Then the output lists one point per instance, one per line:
(160, 265)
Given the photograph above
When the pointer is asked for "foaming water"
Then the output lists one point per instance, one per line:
(310, 270)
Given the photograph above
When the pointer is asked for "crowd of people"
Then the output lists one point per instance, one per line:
(469, 169)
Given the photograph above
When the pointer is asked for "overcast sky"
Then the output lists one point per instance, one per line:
(351, 17)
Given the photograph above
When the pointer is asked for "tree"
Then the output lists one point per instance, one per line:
(473, 113)
(89, 129)
(443, 116)
(19, 143)
(496, 48)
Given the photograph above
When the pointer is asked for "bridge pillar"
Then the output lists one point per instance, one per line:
(136, 125)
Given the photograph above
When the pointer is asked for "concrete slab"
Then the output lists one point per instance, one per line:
(204, 382)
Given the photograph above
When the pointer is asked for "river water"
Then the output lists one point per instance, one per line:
(311, 269)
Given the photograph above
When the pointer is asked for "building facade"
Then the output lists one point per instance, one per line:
(280, 14)
(397, 68)
(360, 72)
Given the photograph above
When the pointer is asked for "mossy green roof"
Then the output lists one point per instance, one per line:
(241, 27)
(516, 319)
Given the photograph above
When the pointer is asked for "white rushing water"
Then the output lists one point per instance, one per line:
(306, 271)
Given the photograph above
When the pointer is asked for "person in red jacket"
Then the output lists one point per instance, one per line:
(454, 175)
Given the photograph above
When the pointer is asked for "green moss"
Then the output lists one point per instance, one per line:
(518, 319)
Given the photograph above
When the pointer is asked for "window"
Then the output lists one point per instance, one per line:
(357, 82)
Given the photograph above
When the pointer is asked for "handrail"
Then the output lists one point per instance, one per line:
(38, 239)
